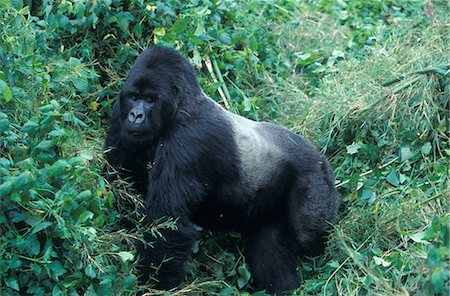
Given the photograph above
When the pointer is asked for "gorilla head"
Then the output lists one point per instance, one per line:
(151, 95)
(218, 170)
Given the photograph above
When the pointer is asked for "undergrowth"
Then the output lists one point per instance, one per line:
(366, 81)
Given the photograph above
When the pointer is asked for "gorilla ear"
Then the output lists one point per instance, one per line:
(180, 92)
(185, 81)
(170, 107)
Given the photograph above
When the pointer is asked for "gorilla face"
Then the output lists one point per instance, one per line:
(144, 107)
(138, 118)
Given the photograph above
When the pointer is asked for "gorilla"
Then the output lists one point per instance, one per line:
(200, 164)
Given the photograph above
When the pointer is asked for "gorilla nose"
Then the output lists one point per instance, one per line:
(136, 117)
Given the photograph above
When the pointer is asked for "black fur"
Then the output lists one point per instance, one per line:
(217, 170)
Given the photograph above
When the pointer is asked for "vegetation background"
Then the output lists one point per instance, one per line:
(365, 81)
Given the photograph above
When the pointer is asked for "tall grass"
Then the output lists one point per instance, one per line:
(383, 120)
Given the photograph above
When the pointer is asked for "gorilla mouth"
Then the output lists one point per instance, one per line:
(136, 133)
(138, 136)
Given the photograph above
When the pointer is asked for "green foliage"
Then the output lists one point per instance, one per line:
(438, 237)
(54, 204)
(226, 36)
(367, 81)
(372, 22)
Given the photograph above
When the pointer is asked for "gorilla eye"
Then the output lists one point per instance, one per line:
(133, 97)
(151, 98)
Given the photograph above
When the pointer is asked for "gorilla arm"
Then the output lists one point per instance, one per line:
(172, 186)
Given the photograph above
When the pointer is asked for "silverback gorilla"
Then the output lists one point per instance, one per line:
(218, 170)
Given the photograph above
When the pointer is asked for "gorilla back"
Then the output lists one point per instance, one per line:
(218, 170)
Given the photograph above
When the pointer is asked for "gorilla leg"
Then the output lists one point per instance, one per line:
(312, 206)
(272, 260)
(165, 259)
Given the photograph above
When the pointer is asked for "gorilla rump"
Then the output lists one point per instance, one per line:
(218, 170)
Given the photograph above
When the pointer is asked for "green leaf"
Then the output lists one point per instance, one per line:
(41, 226)
(353, 148)
(200, 30)
(45, 145)
(57, 269)
(4, 125)
(253, 44)
(30, 127)
(247, 104)
(87, 215)
(353, 196)
(12, 283)
(72, 280)
(105, 288)
(95, 206)
(81, 83)
(83, 195)
(14, 263)
(4, 162)
(23, 179)
(402, 178)
(16, 217)
(57, 169)
(17, 4)
(333, 264)
(129, 281)
(244, 276)
(226, 292)
(126, 256)
(124, 19)
(419, 238)
(405, 154)
(90, 271)
(381, 261)
(366, 194)
(46, 108)
(4, 3)
(225, 38)
(5, 90)
(36, 291)
(437, 279)
(5, 188)
(74, 62)
(32, 245)
(90, 291)
(70, 117)
(393, 179)
(180, 24)
(56, 291)
(307, 59)
(7, 93)
(58, 133)
(426, 148)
